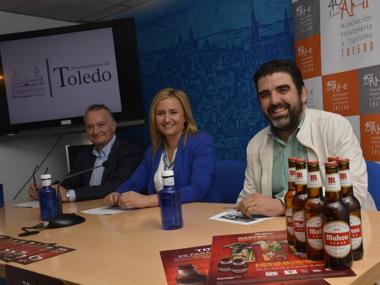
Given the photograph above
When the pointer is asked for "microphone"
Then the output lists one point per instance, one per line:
(32, 177)
(104, 164)
(38, 166)
(66, 220)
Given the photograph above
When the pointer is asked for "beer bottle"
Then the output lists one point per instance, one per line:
(313, 205)
(353, 206)
(299, 200)
(335, 222)
(289, 199)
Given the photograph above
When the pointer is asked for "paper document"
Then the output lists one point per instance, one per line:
(235, 217)
(31, 204)
(103, 211)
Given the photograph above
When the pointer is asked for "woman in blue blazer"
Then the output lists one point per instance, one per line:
(176, 144)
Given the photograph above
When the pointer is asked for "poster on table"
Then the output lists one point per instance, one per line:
(260, 257)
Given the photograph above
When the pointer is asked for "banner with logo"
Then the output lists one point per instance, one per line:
(337, 46)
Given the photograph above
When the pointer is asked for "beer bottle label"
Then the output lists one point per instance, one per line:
(314, 180)
(314, 232)
(345, 178)
(332, 182)
(299, 226)
(289, 221)
(292, 174)
(336, 239)
(356, 231)
(301, 176)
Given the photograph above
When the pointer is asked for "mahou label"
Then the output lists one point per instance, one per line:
(301, 176)
(356, 231)
(299, 226)
(292, 174)
(314, 180)
(314, 232)
(332, 182)
(345, 178)
(337, 239)
(289, 221)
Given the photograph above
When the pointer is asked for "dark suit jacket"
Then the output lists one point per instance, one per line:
(122, 162)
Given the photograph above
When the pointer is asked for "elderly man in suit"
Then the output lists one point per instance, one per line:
(122, 159)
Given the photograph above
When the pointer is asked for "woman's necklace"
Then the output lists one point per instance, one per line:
(167, 165)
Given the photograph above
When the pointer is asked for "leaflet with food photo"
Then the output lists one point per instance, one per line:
(262, 257)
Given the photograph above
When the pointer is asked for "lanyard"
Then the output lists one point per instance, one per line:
(167, 165)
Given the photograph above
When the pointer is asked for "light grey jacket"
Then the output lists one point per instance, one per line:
(323, 134)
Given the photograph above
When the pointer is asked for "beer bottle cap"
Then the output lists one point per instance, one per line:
(332, 158)
(301, 160)
(331, 163)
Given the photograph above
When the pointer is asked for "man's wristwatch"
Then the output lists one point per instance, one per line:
(67, 196)
(282, 203)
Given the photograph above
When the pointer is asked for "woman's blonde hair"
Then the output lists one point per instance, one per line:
(190, 126)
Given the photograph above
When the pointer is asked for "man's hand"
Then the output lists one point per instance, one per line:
(133, 199)
(62, 192)
(33, 192)
(260, 204)
(112, 199)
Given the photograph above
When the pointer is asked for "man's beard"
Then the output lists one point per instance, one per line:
(286, 122)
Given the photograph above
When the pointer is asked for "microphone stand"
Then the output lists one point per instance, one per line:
(66, 220)
(38, 166)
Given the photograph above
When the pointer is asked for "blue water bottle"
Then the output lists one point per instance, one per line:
(48, 199)
(170, 203)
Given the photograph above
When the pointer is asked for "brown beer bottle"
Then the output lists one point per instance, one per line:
(353, 206)
(289, 199)
(335, 222)
(299, 200)
(313, 205)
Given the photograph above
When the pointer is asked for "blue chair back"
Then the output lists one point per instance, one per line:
(229, 181)
(373, 170)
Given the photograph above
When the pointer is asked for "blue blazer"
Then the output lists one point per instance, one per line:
(194, 169)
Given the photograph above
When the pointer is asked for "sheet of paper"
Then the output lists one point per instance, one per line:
(235, 217)
(31, 204)
(103, 211)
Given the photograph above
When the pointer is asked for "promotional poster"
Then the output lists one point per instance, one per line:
(262, 257)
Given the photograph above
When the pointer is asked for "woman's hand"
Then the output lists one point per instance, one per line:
(133, 199)
(112, 199)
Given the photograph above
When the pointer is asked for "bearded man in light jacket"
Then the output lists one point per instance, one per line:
(294, 131)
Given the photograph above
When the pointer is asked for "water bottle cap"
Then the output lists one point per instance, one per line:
(45, 176)
(167, 173)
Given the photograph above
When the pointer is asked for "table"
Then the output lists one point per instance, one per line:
(124, 248)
